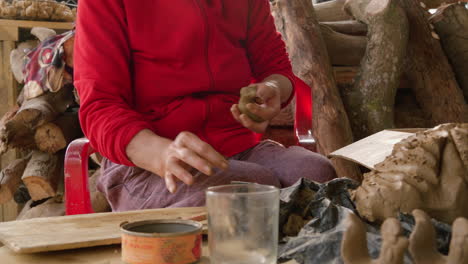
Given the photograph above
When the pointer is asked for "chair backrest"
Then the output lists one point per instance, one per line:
(77, 196)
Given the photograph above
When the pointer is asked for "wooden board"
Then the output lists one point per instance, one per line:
(372, 149)
(32, 23)
(79, 231)
(96, 255)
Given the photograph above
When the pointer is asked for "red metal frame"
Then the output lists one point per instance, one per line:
(78, 200)
(77, 196)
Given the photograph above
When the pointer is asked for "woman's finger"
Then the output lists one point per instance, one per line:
(254, 126)
(174, 167)
(266, 91)
(170, 182)
(193, 160)
(264, 111)
(235, 112)
(203, 149)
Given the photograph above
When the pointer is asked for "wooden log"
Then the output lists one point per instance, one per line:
(10, 179)
(451, 24)
(56, 135)
(43, 109)
(311, 63)
(331, 11)
(370, 100)
(429, 71)
(407, 111)
(21, 195)
(98, 199)
(344, 50)
(49, 208)
(42, 175)
(18, 131)
(348, 27)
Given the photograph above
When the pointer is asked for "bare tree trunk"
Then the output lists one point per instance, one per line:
(331, 11)
(311, 63)
(451, 24)
(349, 27)
(429, 71)
(344, 50)
(370, 102)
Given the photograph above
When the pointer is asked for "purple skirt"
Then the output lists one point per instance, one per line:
(132, 188)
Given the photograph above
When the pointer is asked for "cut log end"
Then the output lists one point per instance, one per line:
(49, 138)
(42, 175)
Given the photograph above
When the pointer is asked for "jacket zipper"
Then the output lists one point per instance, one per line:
(207, 34)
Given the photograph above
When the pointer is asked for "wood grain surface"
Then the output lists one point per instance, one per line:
(79, 231)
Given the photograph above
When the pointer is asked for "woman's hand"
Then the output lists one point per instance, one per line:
(272, 92)
(174, 160)
(269, 96)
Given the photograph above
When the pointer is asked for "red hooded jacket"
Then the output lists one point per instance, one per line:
(171, 66)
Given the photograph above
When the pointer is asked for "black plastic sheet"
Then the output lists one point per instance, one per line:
(327, 205)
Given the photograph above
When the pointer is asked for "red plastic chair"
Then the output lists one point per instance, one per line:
(77, 196)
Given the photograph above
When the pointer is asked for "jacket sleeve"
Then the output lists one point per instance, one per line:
(266, 50)
(102, 79)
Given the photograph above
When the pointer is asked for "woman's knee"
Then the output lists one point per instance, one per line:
(250, 172)
(303, 163)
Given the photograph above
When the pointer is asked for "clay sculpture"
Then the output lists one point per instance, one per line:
(354, 245)
(427, 171)
(249, 95)
(423, 242)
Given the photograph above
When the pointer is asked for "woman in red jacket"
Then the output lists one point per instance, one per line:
(158, 82)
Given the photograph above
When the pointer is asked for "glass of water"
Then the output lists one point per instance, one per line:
(243, 223)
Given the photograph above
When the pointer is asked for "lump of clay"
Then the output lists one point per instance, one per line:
(354, 245)
(427, 171)
(423, 241)
(249, 95)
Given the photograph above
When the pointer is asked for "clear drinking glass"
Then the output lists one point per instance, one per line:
(243, 223)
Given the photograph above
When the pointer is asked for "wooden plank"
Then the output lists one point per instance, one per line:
(10, 83)
(31, 24)
(9, 33)
(79, 231)
(8, 94)
(372, 149)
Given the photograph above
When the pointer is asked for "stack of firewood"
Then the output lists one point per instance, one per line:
(39, 129)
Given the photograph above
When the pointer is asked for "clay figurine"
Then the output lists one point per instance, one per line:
(427, 171)
(354, 245)
(423, 242)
